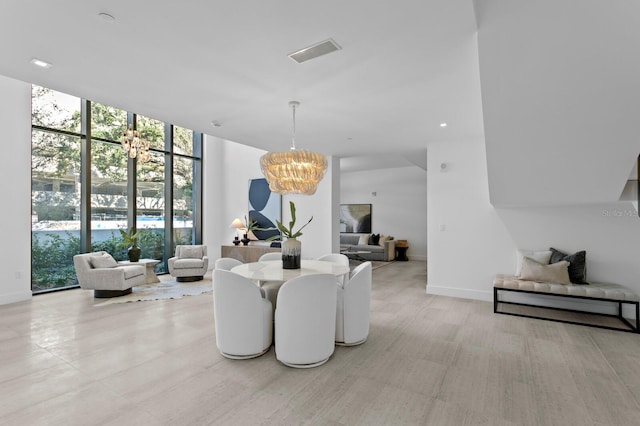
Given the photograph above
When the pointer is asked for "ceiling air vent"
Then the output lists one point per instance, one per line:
(314, 51)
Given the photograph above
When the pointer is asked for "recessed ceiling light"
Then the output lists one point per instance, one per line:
(107, 17)
(216, 124)
(40, 63)
(443, 124)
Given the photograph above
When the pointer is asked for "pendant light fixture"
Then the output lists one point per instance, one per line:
(294, 171)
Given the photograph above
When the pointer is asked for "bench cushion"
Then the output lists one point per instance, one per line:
(595, 290)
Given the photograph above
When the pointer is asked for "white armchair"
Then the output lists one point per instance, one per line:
(305, 321)
(100, 272)
(353, 307)
(340, 259)
(190, 263)
(243, 319)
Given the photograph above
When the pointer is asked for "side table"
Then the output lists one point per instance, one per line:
(150, 276)
(401, 250)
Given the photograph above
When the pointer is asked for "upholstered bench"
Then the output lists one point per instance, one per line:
(594, 291)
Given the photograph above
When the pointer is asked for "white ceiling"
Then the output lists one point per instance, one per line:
(405, 67)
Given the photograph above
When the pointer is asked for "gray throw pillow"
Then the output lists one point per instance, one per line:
(577, 264)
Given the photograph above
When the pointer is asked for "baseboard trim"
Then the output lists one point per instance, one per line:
(460, 293)
(422, 258)
(21, 296)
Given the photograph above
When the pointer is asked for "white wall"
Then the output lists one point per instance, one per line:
(468, 243)
(479, 241)
(15, 173)
(399, 207)
(228, 168)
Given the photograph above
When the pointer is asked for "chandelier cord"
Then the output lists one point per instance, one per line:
(293, 138)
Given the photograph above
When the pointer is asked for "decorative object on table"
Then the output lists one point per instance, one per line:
(130, 240)
(291, 247)
(135, 146)
(294, 171)
(265, 207)
(237, 224)
(355, 218)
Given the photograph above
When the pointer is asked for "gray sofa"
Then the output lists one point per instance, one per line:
(385, 252)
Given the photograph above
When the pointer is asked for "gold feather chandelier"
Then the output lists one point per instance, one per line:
(294, 171)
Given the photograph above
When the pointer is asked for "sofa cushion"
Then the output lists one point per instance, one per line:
(104, 260)
(557, 273)
(191, 252)
(577, 264)
(187, 263)
(349, 239)
(131, 271)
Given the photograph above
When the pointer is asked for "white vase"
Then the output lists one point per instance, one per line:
(291, 250)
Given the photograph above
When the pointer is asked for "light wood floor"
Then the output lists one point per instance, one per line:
(429, 360)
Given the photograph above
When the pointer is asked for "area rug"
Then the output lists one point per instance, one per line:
(169, 289)
(375, 264)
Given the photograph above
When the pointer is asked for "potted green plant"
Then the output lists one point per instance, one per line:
(130, 240)
(291, 247)
(249, 225)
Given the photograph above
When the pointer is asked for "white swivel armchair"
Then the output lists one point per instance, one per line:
(305, 321)
(100, 272)
(353, 307)
(244, 320)
(190, 263)
(227, 263)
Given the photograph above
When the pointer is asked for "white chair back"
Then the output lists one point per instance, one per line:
(354, 304)
(227, 263)
(340, 259)
(305, 320)
(276, 255)
(243, 319)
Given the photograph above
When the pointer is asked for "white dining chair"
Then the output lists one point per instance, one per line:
(271, 288)
(353, 307)
(226, 263)
(305, 321)
(243, 318)
(340, 259)
(276, 255)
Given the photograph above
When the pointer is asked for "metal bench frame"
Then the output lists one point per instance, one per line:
(631, 329)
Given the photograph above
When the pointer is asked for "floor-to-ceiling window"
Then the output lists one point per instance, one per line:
(84, 188)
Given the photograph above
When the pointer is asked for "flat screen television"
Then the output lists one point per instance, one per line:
(355, 218)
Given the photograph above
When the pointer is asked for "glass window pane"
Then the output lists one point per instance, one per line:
(54, 109)
(55, 210)
(107, 122)
(182, 141)
(182, 201)
(108, 198)
(153, 131)
(150, 202)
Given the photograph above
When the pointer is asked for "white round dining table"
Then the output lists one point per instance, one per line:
(272, 270)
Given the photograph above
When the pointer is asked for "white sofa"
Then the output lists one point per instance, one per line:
(98, 271)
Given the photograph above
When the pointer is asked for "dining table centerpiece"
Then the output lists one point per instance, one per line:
(291, 247)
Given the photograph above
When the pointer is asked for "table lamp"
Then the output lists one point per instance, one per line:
(237, 223)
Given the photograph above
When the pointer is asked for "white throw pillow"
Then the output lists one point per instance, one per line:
(539, 256)
(104, 260)
(555, 273)
(364, 240)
